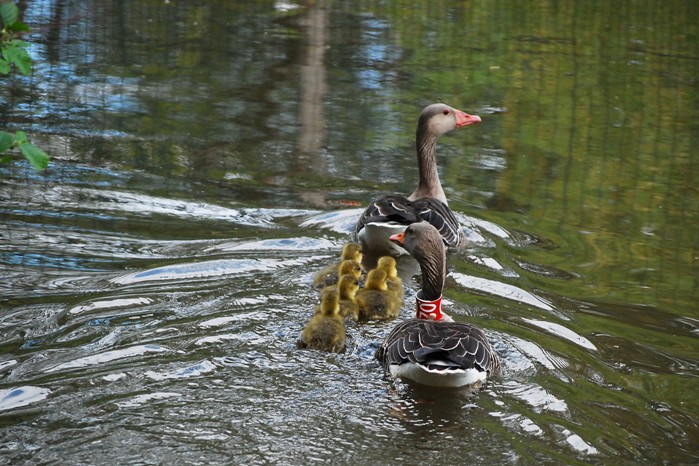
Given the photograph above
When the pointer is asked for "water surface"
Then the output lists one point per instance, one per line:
(208, 157)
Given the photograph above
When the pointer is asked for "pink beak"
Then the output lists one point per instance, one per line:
(464, 119)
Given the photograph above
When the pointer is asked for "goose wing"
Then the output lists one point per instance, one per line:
(438, 345)
(438, 214)
(398, 209)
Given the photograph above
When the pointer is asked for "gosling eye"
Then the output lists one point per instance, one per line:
(446, 111)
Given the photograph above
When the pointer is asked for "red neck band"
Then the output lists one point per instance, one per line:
(429, 310)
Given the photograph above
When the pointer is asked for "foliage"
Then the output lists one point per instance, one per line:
(13, 52)
(36, 157)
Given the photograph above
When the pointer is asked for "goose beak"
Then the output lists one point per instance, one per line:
(464, 119)
(398, 238)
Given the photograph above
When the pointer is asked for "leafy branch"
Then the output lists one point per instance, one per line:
(33, 154)
(13, 54)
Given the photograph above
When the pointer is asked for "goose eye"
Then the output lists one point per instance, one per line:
(446, 111)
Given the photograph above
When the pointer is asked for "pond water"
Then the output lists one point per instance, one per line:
(208, 157)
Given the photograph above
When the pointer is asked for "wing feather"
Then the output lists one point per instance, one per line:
(458, 344)
(397, 208)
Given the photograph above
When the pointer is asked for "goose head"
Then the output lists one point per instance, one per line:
(435, 120)
(438, 119)
(425, 244)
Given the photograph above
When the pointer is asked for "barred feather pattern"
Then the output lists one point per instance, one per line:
(453, 345)
(397, 208)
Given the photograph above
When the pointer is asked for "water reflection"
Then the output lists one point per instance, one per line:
(208, 157)
(22, 396)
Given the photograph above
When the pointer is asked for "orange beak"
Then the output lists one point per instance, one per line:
(398, 238)
(464, 119)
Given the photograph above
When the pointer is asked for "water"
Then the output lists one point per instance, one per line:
(208, 157)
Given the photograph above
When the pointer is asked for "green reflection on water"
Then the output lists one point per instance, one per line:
(586, 154)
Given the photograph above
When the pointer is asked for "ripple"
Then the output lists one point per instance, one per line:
(139, 400)
(536, 396)
(563, 332)
(68, 201)
(577, 443)
(340, 221)
(490, 227)
(5, 364)
(108, 356)
(22, 396)
(194, 370)
(530, 351)
(493, 265)
(276, 244)
(504, 290)
(205, 269)
(142, 204)
(110, 304)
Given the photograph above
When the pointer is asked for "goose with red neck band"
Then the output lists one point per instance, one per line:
(432, 349)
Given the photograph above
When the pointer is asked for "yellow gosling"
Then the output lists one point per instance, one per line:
(326, 329)
(393, 281)
(347, 289)
(375, 301)
(329, 275)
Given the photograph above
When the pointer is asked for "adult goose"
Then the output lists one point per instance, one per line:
(391, 213)
(432, 349)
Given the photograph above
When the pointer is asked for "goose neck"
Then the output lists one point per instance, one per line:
(429, 184)
(433, 272)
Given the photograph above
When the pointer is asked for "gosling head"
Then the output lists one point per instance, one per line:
(347, 286)
(349, 267)
(330, 305)
(376, 280)
(388, 265)
(353, 252)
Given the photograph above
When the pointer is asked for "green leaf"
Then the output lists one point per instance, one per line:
(21, 137)
(6, 141)
(37, 157)
(16, 53)
(6, 158)
(9, 13)
(18, 26)
(4, 66)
